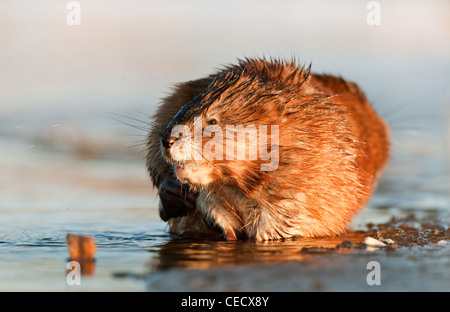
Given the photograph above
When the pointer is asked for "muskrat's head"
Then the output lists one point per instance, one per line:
(182, 144)
(229, 133)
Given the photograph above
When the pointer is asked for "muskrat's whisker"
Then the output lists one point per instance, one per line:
(137, 135)
(195, 150)
(146, 122)
(142, 128)
(136, 144)
(158, 154)
(140, 112)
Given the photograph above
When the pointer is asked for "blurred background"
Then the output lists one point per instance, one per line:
(75, 100)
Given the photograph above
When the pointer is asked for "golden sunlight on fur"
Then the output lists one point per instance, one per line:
(325, 149)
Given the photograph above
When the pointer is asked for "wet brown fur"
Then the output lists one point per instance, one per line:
(332, 149)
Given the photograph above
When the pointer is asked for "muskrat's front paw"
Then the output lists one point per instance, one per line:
(228, 231)
(176, 200)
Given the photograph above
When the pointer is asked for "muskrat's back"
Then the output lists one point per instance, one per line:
(331, 146)
(367, 125)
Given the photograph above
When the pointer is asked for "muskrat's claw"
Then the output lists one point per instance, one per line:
(226, 230)
(176, 199)
(229, 235)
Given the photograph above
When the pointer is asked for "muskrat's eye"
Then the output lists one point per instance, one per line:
(212, 122)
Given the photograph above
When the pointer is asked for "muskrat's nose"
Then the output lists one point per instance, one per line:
(167, 143)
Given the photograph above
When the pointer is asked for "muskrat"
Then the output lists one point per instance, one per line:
(327, 149)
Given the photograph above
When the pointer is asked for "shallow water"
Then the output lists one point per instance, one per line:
(74, 106)
(111, 200)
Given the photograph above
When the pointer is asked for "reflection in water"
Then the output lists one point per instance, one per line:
(200, 254)
(197, 253)
(82, 249)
